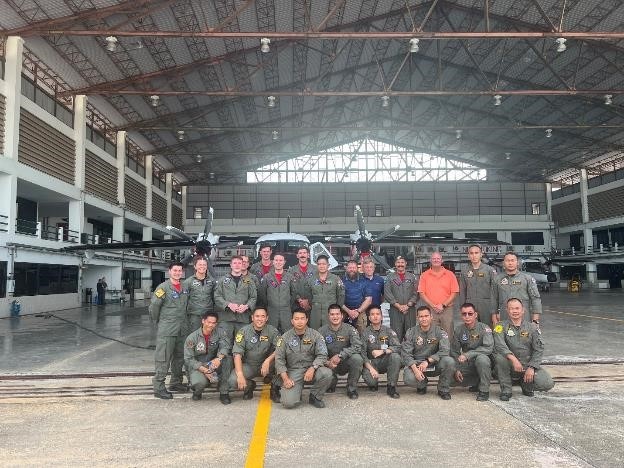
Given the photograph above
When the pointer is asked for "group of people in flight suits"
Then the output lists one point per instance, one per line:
(307, 325)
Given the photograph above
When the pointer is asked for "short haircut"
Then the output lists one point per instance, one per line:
(210, 313)
(322, 257)
(299, 310)
(350, 262)
(262, 309)
(236, 257)
(199, 258)
(514, 299)
(264, 246)
(366, 260)
(465, 305)
(333, 307)
(277, 254)
(511, 253)
(421, 308)
(303, 247)
(475, 245)
(373, 307)
(171, 265)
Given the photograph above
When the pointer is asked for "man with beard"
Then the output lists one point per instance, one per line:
(357, 296)
(400, 289)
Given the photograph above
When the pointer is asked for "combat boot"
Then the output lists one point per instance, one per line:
(163, 394)
(275, 393)
(392, 392)
(178, 387)
(316, 402)
(332, 387)
(248, 394)
(483, 396)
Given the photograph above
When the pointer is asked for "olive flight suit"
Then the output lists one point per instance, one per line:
(477, 287)
(346, 343)
(276, 297)
(477, 344)
(200, 300)
(199, 351)
(321, 295)
(390, 363)
(520, 286)
(229, 290)
(397, 291)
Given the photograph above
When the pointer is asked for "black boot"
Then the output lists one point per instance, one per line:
(275, 393)
(316, 402)
(163, 394)
(248, 394)
(392, 392)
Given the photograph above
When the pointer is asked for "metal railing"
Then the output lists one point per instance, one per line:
(27, 227)
(4, 223)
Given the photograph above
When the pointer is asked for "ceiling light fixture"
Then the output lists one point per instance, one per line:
(508, 156)
(271, 101)
(275, 135)
(211, 175)
(497, 99)
(548, 132)
(155, 100)
(111, 43)
(458, 134)
(180, 135)
(385, 100)
(264, 45)
(199, 158)
(608, 99)
(414, 45)
(561, 44)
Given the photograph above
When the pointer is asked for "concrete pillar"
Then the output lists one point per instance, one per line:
(588, 240)
(147, 233)
(8, 202)
(80, 137)
(14, 49)
(592, 274)
(76, 220)
(549, 201)
(184, 207)
(583, 186)
(121, 167)
(118, 228)
(148, 186)
(169, 191)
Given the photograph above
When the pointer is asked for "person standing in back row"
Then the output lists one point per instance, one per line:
(438, 288)
(477, 283)
(400, 289)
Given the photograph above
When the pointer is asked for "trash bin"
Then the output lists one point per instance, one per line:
(89, 295)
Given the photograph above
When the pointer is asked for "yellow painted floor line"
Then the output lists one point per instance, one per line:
(257, 445)
(587, 316)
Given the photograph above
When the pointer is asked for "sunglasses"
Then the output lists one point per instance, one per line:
(467, 314)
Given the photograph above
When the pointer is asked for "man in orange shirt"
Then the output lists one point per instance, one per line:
(438, 287)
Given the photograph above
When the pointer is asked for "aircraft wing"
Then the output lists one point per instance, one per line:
(138, 245)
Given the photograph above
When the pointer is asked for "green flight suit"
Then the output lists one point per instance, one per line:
(477, 287)
(198, 352)
(168, 309)
(524, 342)
(276, 297)
(390, 364)
(256, 270)
(397, 291)
(346, 343)
(200, 300)
(521, 286)
(253, 347)
(433, 344)
(321, 295)
(226, 291)
(299, 280)
(295, 355)
(477, 344)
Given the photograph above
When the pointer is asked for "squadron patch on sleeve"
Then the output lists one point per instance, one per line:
(279, 342)
(487, 329)
(159, 293)
(239, 338)
(498, 328)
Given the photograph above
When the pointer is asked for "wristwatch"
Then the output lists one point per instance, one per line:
(315, 366)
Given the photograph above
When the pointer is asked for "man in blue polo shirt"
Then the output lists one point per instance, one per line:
(357, 296)
(374, 282)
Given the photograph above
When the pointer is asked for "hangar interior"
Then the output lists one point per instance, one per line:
(118, 118)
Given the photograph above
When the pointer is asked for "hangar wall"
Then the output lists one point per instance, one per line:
(376, 199)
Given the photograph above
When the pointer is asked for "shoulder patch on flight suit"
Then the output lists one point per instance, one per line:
(444, 334)
(239, 337)
(159, 293)
(498, 328)
(279, 342)
(504, 281)
(469, 274)
(533, 280)
(487, 329)
(420, 341)
(201, 347)
(329, 339)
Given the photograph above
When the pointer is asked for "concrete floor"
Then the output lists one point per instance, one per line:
(115, 420)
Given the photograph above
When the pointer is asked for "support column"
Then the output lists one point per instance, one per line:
(118, 228)
(14, 50)
(588, 236)
(592, 274)
(169, 192)
(121, 167)
(549, 201)
(76, 220)
(147, 233)
(8, 202)
(80, 137)
(184, 207)
(149, 168)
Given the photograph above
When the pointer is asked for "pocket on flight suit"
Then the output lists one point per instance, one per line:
(160, 353)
